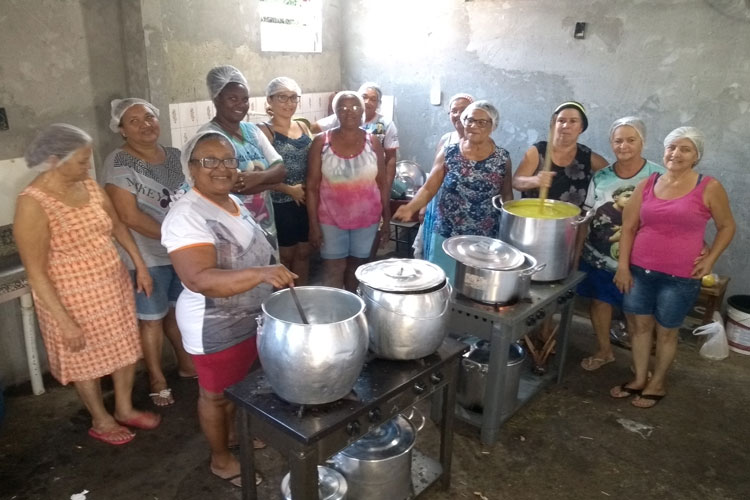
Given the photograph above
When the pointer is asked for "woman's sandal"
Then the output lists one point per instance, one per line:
(592, 363)
(651, 398)
(622, 391)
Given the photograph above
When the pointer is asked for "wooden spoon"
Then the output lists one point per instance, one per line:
(547, 167)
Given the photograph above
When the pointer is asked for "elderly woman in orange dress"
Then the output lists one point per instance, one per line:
(64, 226)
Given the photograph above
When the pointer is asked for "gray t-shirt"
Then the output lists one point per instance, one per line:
(153, 185)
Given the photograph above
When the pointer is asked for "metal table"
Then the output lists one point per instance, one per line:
(308, 435)
(503, 325)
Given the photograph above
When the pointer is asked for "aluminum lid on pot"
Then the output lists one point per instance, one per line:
(400, 275)
(388, 440)
(331, 485)
(483, 252)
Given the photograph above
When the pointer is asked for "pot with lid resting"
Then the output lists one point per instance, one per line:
(316, 363)
(331, 485)
(546, 231)
(407, 307)
(490, 270)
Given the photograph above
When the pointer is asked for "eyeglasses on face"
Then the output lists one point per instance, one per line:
(479, 123)
(211, 163)
(286, 98)
(355, 108)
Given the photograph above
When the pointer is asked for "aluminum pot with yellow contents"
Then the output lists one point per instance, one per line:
(546, 231)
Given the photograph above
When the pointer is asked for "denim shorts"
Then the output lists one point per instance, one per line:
(666, 297)
(341, 243)
(167, 287)
(598, 285)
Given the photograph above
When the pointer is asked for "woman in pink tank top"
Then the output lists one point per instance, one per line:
(661, 261)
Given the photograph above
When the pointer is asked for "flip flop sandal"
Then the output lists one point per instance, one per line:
(109, 437)
(162, 395)
(591, 363)
(623, 391)
(145, 421)
(653, 398)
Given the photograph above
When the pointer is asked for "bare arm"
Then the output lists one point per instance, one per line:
(426, 192)
(598, 162)
(312, 189)
(717, 201)
(126, 206)
(196, 267)
(507, 189)
(631, 220)
(525, 177)
(257, 181)
(390, 166)
(384, 181)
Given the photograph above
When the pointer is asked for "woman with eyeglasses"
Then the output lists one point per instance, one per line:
(467, 175)
(227, 262)
(347, 193)
(261, 167)
(291, 139)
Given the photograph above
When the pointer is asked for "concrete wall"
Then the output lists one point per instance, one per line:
(672, 62)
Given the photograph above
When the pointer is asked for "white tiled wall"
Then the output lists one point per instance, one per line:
(186, 118)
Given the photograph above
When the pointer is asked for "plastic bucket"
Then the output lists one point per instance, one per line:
(738, 323)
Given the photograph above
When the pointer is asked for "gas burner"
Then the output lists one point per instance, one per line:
(500, 306)
(321, 409)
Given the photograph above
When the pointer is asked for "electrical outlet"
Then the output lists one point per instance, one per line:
(3, 120)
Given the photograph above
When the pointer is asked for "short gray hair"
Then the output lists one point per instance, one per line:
(692, 133)
(485, 106)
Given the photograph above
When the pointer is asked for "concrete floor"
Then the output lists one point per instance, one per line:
(571, 442)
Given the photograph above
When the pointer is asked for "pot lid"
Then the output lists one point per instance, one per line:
(483, 252)
(331, 484)
(400, 275)
(388, 440)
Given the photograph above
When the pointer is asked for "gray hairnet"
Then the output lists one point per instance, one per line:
(281, 84)
(346, 93)
(487, 108)
(630, 121)
(120, 106)
(189, 147)
(58, 140)
(374, 86)
(220, 76)
(692, 133)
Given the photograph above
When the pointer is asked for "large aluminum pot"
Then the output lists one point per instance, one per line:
(549, 241)
(407, 307)
(316, 363)
(378, 465)
(331, 485)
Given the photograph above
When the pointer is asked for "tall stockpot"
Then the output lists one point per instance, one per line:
(331, 485)
(548, 234)
(407, 307)
(316, 363)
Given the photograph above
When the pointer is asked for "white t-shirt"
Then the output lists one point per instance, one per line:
(207, 324)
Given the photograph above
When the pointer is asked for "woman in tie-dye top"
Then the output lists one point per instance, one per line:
(347, 193)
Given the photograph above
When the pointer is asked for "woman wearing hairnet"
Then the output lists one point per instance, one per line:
(608, 193)
(141, 176)
(467, 175)
(291, 139)
(64, 226)
(661, 261)
(261, 167)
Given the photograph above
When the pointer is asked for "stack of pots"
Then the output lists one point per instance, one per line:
(331, 485)
(550, 239)
(319, 362)
(407, 307)
(490, 270)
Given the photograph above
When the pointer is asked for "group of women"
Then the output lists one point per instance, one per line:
(210, 231)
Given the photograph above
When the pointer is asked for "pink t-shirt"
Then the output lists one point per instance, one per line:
(671, 232)
(349, 194)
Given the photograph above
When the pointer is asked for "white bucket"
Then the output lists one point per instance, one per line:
(738, 323)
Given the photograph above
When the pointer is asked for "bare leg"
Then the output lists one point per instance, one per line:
(214, 413)
(152, 339)
(666, 349)
(641, 337)
(102, 422)
(333, 272)
(286, 254)
(601, 318)
(350, 280)
(122, 379)
(301, 263)
(185, 367)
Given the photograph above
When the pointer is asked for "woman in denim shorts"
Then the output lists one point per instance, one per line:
(661, 264)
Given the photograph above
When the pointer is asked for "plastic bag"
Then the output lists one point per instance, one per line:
(716, 346)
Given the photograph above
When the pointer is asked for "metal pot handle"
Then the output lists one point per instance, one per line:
(583, 220)
(533, 270)
(495, 200)
(410, 416)
(259, 321)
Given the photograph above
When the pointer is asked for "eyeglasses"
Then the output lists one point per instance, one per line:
(286, 98)
(479, 123)
(356, 108)
(211, 163)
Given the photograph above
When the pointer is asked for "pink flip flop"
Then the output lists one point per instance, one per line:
(110, 437)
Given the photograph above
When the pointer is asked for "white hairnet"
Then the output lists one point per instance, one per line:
(485, 106)
(281, 84)
(456, 97)
(220, 76)
(187, 150)
(630, 121)
(346, 93)
(119, 106)
(692, 133)
(58, 140)
(371, 85)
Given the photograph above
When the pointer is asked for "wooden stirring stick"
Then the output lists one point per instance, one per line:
(547, 167)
